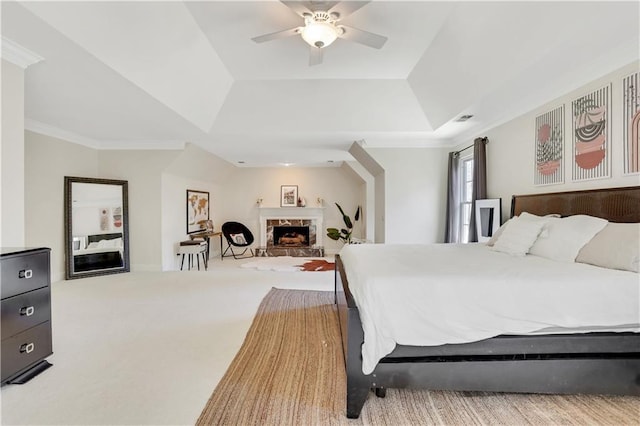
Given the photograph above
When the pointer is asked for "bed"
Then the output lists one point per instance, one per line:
(101, 251)
(599, 360)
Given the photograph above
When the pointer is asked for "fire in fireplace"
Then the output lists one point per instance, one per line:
(291, 236)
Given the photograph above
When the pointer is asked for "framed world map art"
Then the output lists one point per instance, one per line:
(197, 210)
(549, 163)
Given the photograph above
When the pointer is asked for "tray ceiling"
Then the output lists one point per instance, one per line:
(159, 74)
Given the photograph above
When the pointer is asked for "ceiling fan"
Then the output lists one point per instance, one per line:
(322, 26)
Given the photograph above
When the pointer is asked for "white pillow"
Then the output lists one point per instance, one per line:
(524, 215)
(497, 234)
(518, 236)
(530, 216)
(563, 238)
(238, 239)
(105, 244)
(617, 246)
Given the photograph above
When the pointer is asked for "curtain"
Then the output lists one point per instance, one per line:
(452, 225)
(479, 191)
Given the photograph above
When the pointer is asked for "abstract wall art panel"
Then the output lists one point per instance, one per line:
(631, 123)
(549, 166)
(591, 119)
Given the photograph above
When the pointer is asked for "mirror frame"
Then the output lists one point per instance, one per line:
(68, 242)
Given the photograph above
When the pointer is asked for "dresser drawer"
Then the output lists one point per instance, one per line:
(23, 273)
(26, 348)
(24, 311)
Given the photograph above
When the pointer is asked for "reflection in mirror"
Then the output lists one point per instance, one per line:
(96, 226)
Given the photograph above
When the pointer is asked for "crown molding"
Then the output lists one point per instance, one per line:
(143, 145)
(55, 132)
(404, 142)
(18, 55)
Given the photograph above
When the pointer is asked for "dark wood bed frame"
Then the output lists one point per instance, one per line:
(104, 260)
(592, 363)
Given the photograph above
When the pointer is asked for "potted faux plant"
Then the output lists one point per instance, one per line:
(343, 234)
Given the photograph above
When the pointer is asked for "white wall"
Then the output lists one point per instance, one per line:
(199, 170)
(510, 152)
(143, 170)
(92, 207)
(335, 185)
(47, 161)
(174, 216)
(415, 193)
(367, 214)
(12, 207)
(375, 188)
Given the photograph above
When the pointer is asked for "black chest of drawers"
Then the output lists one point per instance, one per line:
(25, 313)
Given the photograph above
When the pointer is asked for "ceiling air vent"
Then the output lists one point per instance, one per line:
(463, 118)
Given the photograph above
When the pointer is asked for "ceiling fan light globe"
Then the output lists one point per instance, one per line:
(319, 34)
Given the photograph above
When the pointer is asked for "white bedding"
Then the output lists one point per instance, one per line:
(102, 246)
(91, 250)
(429, 295)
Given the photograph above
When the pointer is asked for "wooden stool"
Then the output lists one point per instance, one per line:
(190, 248)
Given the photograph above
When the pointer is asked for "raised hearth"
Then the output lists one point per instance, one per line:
(293, 252)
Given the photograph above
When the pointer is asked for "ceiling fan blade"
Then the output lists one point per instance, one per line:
(298, 7)
(363, 37)
(315, 55)
(346, 8)
(278, 34)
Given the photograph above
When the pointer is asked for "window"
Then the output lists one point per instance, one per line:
(466, 181)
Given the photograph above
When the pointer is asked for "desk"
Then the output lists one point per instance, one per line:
(207, 235)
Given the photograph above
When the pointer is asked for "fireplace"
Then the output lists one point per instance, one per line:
(291, 236)
(291, 232)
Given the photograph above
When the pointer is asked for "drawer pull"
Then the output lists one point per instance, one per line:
(25, 273)
(27, 348)
(27, 311)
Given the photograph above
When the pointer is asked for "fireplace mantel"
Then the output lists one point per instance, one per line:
(292, 209)
(316, 214)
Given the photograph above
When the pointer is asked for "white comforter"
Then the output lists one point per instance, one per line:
(428, 295)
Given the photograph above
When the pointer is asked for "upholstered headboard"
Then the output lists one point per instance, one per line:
(614, 204)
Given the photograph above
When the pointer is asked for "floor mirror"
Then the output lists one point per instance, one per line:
(96, 226)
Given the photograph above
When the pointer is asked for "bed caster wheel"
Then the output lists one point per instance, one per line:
(380, 392)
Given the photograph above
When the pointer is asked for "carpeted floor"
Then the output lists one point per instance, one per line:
(290, 371)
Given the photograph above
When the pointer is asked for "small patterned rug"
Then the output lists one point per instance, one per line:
(290, 371)
(290, 264)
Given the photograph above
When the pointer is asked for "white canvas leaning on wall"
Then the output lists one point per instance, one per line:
(488, 215)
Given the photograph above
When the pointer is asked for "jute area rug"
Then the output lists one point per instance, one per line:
(290, 371)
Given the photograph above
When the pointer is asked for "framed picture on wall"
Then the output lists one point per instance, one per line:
(631, 124)
(592, 135)
(288, 195)
(197, 210)
(488, 215)
(549, 146)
